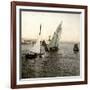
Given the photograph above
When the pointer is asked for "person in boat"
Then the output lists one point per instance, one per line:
(45, 45)
(75, 48)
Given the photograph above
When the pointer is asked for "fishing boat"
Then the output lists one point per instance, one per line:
(53, 45)
(76, 48)
(41, 47)
(36, 50)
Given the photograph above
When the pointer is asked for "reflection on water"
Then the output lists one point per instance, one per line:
(62, 63)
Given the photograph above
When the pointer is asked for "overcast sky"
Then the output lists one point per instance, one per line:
(31, 25)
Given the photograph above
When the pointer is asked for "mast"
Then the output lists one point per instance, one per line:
(40, 29)
(39, 35)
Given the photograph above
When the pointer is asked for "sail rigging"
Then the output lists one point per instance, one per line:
(56, 37)
(52, 46)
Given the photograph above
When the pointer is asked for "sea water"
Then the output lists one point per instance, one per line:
(54, 64)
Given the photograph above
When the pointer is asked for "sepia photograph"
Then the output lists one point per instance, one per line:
(48, 44)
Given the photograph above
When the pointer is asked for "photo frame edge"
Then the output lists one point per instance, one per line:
(13, 49)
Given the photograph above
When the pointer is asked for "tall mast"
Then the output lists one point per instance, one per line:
(39, 35)
(40, 29)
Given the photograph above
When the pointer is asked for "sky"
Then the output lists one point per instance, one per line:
(49, 21)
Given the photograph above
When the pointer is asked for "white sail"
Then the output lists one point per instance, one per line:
(56, 37)
(36, 48)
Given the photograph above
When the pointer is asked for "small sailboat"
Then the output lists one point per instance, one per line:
(75, 48)
(55, 41)
(36, 49)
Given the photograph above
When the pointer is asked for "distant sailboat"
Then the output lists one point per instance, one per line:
(76, 48)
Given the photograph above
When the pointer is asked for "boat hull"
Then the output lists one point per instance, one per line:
(53, 49)
(31, 56)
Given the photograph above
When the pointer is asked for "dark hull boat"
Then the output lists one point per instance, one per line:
(53, 45)
(31, 56)
(54, 49)
(51, 49)
(75, 48)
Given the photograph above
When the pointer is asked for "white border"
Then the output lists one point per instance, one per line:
(56, 79)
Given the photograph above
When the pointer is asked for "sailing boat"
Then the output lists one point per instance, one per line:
(52, 46)
(55, 41)
(36, 49)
